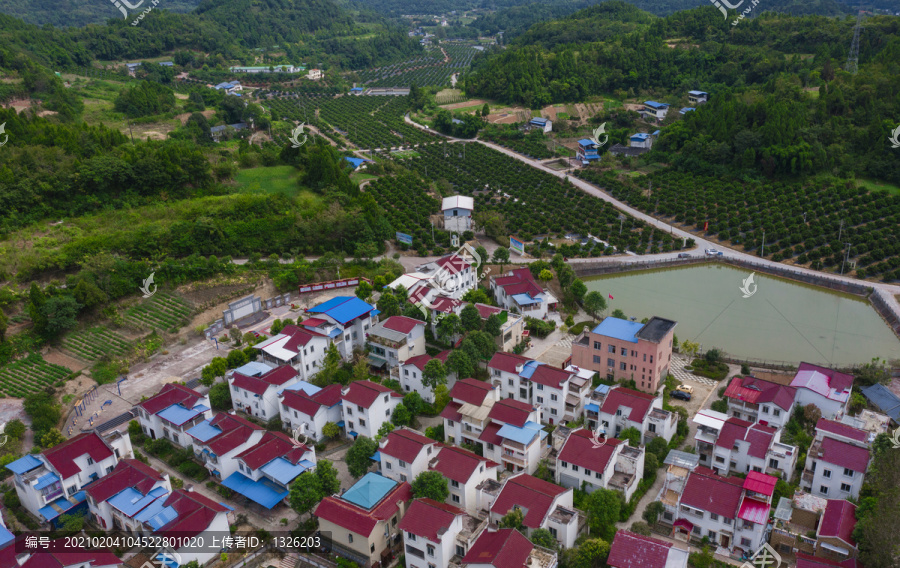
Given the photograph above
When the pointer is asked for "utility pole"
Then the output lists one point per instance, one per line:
(132, 134)
(763, 254)
(841, 230)
(846, 258)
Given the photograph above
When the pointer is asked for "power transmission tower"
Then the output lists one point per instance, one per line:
(853, 58)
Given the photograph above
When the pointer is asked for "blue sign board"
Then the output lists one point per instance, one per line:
(516, 245)
(404, 238)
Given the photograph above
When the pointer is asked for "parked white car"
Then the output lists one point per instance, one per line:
(714, 252)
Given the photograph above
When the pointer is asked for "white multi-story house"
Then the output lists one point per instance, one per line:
(558, 392)
(366, 406)
(218, 441)
(434, 533)
(586, 460)
(507, 548)
(757, 400)
(410, 375)
(519, 292)
(731, 445)
(545, 505)
(50, 483)
(314, 74)
(464, 471)
(307, 409)
(300, 348)
(513, 436)
(466, 415)
(257, 394)
(345, 320)
(837, 461)
(173, 411)
(405, 454)
(267, 468)
(450, 276)
(191, 518)
(395, 340)
(827, 389)
(654, 110)
(620, 408)
(128, 497)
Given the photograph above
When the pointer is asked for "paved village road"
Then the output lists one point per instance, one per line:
(888, 292)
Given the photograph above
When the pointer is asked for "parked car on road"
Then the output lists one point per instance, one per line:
(681, 395)
(685, 388)
(714, 252)
(684, 255)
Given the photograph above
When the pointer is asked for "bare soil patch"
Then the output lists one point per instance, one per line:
(464, 104)
(57, 357)
(185, 116)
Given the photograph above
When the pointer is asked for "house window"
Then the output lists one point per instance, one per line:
(587, 472)
(510, 382)
(406, 372)
(450, 423)
(402, 477)
(574, 467)
(696, 530)
(612, 349)
(540, 400)
(350, 424)
(553, 411)
(712, 535)
(598, 359)
(727, 521)
(490, 446)
(845, 487)
(645, 357)
(776, 412)
(651, 358)
(597, 345)
(540, 387)
(714, 516)
(91, 460)
(610, 362)
(496, 372)
(765, 409)
(848, 472)
(460, 551)
(402, 463)
(553, 532)
(430, 550)
(565, 465)
(385, 398)
(745, 541)
(823, 490)
(454, 498)
(454, 483)
(826, 473)
(388, 465)
(362, 422)
(651, 427)
(622, 366)
(598, 475)
(350, 537)
(553, 397)
(411, 536)
(387, 412)
(372, 548)
(773, 463)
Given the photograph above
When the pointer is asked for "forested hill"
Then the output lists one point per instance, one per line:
(78, 13)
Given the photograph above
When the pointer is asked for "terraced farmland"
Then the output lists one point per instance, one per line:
(94, 343)
(164, 311)
(23, 377)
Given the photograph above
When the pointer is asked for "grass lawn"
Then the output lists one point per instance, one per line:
(405, 154)
(275, 179)
(562, 116)
(358, 177)
(873, 185)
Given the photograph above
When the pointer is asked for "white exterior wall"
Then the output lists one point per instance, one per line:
(443, 550)
(411, 381)
(458, 219)
(704, 522)
(153, 423)
(398, 470)
(266, 406)
(227, 463)
(834, 482)
(830, 408)
(415, 345)
(294, 419)
(568, 477)
(218, 527)
(553, 411)
(467, 494)
(773, 415)
(379, 413)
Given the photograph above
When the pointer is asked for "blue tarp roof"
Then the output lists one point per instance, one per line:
(369, 490)
(283, 471)
(525, 299)
(61, 505)
(884, 399)
(523, 435)
(528, 369)
(593, 407)
(342, 308)
(602, 389)
(130, 501)
(46, 480)
(178, 414)
(204, 431)
(23, 464)
(616, 328)
(263, 491)
(376, 457)
(253, 369)
(355, 161)
(640, 136)
(356, 89)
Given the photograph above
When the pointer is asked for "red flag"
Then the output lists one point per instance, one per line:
(706, 226)
(610, 296)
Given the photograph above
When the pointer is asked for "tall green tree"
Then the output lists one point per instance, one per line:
(431, 484)
(470, 317)
(602, 508)
(434, 374)
(594, 303)
(358, 456)
(460, 363)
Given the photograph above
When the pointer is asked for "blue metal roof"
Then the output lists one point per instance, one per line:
(178, 414)
(356, 89)
(307, 388)
(697, 92)
(60, 506)
(204, 431)
(593, 407)
(282, 470)
(150, 511)
(884, 399)
(5, 537)
(369, 490)
(586, 142)
(355, 161)
(201, 408)
(23, 464)
(131, 501)
(539, 120)
(640, 136)
(616, 328)
(602, 389)
(253, 369)
(46, 480)
(262, 491)
(656, 132)
(656, 105)
(343, 308)
(528, 369)
(376, 457)
(523, 435)
(165, 516)
(686, 110)
(524, 299)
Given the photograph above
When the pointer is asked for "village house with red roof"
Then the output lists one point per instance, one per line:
(218, 441)
(405, 453)
(301, 346)
(758, 400)
(60, 553)
(410, 375)
(464, 471)
(366, 406)
(362, 523)
(307, 409)
(512, 326)
(631, 550)
(815, 526)
(544, 504)
(52, 482)
(827, 389)
(254, 389)
(434, 534)
(558, 392)
(127, 498)
(614, 409)
(394, 340)
(171, 412)
(507, 548)
(837, 461)
(518, 292)
(587, 460)
(186, 514)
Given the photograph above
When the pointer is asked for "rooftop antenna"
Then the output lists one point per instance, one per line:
(853, 58)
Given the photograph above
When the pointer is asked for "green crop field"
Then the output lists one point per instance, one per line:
(94, 343)
(20, 378)
(164, 311)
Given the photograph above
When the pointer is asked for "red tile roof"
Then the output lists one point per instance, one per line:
(298, 338)
(61, 555)
(195, 513)
(171, 393)
(846, 455)
(259, 385)
(471, 391)
(707, 491)
(489, 434)
(299, 400)
(356, 519)
(504, 548)
(272, 445)
(507, 362)
(550, 376)
(429, 519)
(127, 473)
(639, 403)
(806, 561)
(364, 393)
(756, 391)
(457, 464)
(838, 381)
(521, 281)
(838, 521)
(842, 430)
(487, 311)
(313, 322)
(510, 411)
(404, 444)
(402, 324)
(419, 361)
(533, 495)
(235, 431)
(754, 511)
(329, 396)
(453, 264)
(758, 436)
(62, 456)
(451, 411)
(580, 450)
(760, 483)
(630, 550)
